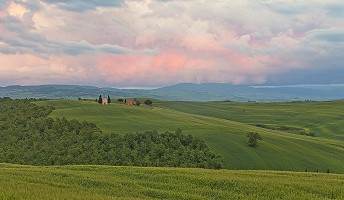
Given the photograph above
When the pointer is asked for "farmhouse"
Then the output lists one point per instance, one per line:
(130, 102)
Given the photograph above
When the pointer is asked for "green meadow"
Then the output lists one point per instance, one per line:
(106, 182)
(324, 119)
(224, 127)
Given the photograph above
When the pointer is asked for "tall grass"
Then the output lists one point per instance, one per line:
(103, 182)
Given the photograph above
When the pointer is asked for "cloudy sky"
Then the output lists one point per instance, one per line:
(162, 42)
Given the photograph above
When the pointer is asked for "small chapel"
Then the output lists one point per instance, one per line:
(105, 101)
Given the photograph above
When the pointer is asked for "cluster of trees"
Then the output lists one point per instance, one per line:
(28, 136)
(138, 103)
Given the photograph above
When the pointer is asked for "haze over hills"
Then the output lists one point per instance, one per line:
(184, 92)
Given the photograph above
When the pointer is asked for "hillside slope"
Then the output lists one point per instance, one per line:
(325, 119)
(104, 182)
(278, 150)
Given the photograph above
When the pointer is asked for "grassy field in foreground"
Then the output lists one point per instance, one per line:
(277, 151)
(103, 182)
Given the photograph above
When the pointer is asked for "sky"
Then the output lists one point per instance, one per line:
(149, 43)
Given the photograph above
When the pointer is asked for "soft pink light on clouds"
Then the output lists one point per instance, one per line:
(164, 42)
(139, 68)
(30, 69)
(2, 14)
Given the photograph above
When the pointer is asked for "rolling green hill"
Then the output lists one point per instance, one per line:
(104, 182)
(325, 119)
(278, 151)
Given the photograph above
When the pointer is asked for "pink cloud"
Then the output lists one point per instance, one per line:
(30, 69)
(167, 67)
(2, 14)
(138, 68)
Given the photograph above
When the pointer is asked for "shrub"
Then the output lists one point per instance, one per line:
(148, 102)
(253, 138)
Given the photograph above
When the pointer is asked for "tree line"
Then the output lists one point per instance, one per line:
(29, 136)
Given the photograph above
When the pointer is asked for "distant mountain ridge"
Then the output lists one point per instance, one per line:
(183, 92)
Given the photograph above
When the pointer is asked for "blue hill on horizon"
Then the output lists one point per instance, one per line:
(184, 92)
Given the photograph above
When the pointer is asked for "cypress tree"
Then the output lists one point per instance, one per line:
(109, 100)
(100, 100)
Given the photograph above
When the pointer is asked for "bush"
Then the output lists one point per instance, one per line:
(138, 103)
(148, 102)
(253, 138)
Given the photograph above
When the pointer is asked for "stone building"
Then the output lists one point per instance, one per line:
(130, 102)
(105, 101)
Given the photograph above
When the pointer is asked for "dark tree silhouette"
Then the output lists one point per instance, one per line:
(148, 102)
(100, 100)
(109, 100)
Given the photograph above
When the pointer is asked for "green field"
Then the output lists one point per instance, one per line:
(224, 126)
(104, 182)
(325, 119)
